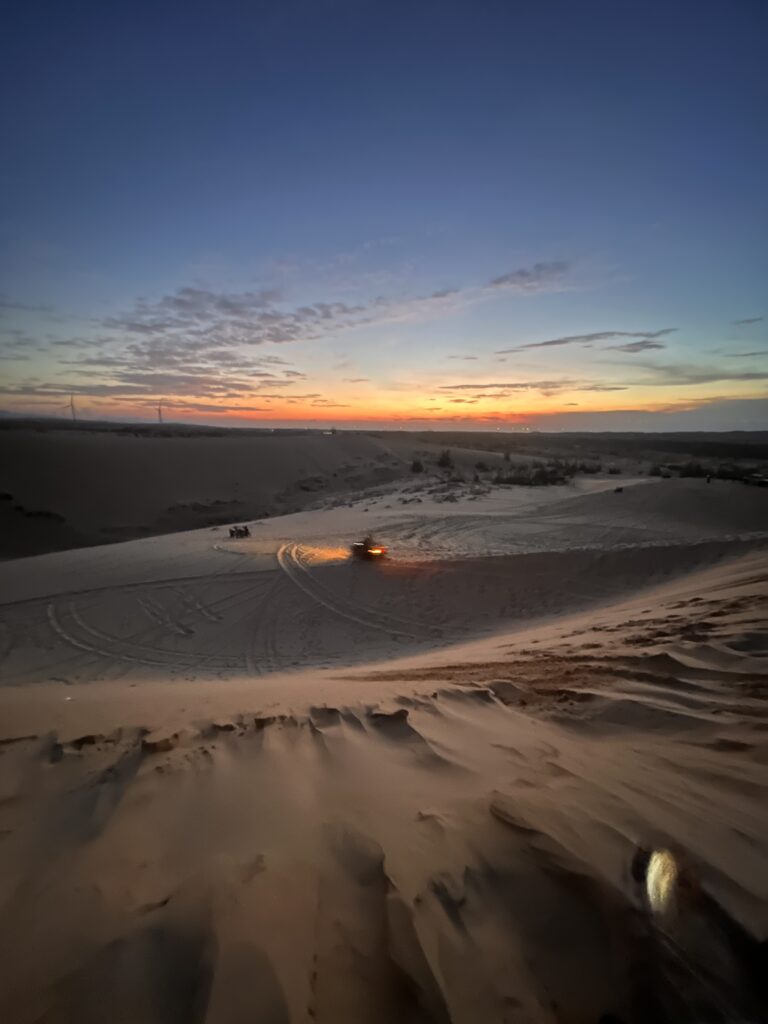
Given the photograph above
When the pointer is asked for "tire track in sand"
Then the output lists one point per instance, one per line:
(92, 641)
(299, 574)
(261, 653)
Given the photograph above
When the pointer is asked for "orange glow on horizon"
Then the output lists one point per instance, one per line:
(381, 408)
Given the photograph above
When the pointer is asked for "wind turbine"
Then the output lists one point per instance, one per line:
(71, 406)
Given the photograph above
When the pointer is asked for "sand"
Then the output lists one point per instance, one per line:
(256, 781)
(70, 488)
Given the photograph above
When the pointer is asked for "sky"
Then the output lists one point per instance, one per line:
(488, 215)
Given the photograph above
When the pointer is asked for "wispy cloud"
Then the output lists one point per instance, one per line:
(748, 320)
(539, 277)
(636, 346)
(16, 346)
(747, 355)
(464, 358)
(506, 389)
(220, 319)
(525, 385)
(679, 374)
(590, 339)
(199, 342)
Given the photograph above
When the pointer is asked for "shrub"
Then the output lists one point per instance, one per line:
(655, 470)
(417, 466)
(481, 467)
(729, 471)
(445, 461)
(535, 474)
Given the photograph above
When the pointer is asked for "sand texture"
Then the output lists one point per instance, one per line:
(255, 781)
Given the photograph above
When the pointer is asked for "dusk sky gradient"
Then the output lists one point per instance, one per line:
(443, 214)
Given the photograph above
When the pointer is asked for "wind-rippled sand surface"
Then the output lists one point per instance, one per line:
(257, 782)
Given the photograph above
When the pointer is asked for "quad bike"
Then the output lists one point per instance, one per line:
(368, 549)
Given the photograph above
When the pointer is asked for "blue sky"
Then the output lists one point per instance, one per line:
(212, 204)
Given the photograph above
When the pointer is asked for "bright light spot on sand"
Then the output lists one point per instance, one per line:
(660, 880)
(324, 553)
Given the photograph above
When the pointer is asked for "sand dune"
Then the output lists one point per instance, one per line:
(255, 781)
(72, 488)
(200, 605)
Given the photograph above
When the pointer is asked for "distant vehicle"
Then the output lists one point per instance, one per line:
(368, 549)
(239, 531)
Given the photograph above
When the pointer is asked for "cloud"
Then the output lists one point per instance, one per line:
(80, 342)
(289, 396)
(356, 380)
(748, 320)
(260, 317)
(747, 355)
(17, 346)
(465, 358)
(539, 277)
(514, 386)
(588, 339)
(199, 342)
(663, 375)
(209, 407)
(636, 346)
(168, 384)
(232, 318)
(506, 389)
(205, 319)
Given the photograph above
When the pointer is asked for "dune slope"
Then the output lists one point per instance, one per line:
(448, 834)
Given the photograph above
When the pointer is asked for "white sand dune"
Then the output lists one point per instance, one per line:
(200, 605)
(255, 781)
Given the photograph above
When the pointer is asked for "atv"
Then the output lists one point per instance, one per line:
(368, 549)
